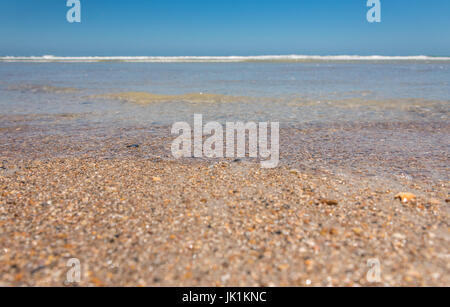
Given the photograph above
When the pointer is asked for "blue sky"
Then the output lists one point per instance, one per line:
(228, 27)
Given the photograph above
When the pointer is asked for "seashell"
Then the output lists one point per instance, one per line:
(405, 197)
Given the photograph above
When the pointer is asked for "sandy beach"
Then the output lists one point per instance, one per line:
(134, 216)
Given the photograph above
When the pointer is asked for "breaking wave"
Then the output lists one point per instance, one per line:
(220, 59)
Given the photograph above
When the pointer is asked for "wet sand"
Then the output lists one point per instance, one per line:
(135, 216)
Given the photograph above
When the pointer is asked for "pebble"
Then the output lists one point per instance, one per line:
(133, 146)
(329, 202)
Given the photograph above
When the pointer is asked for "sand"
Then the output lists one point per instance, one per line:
(144, 98)
(134, 216)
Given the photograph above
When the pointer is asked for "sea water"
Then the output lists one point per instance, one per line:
(288, 92)
(372, 116)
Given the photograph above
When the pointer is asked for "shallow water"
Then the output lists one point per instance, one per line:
(371, 117)
(286, 92)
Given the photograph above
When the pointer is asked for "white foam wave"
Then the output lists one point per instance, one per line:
(218, 59)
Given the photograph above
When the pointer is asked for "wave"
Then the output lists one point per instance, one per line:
(219, 59)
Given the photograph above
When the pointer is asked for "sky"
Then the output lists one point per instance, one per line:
(224, 27)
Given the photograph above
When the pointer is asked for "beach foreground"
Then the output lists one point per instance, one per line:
(135, 220)
(87, 173)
